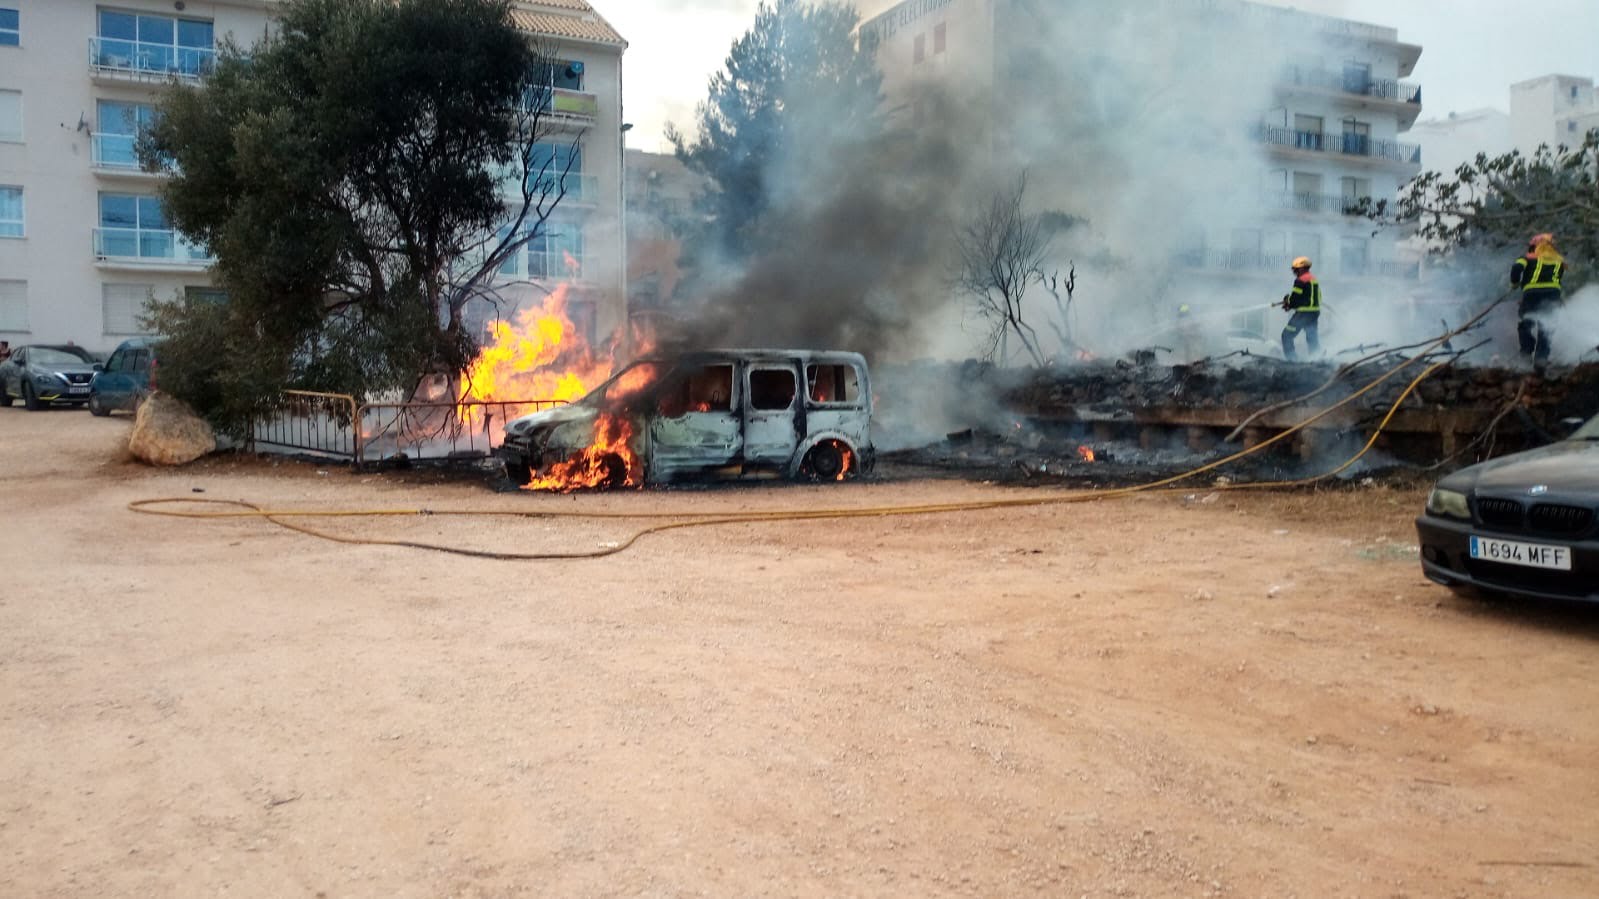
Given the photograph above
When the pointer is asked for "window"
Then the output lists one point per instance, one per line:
(921, 47)
(554, 167)
(771, 389)
(10, 115)
(553, 253)
(13, 306)
(707, 389)
(1307, 191)
(11, 30)
(157, 44)
(833, 384)
(1307, 132)
(1353, 190)
(122, 305)
(134, 226)
(1353, 255)
(1245, 246)
(10, 211)
(1357, 77)
(561, 74)
(119, 126)
(1306, 244)
(939, 38)
(1357, 137)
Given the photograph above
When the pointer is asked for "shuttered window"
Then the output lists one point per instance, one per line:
(122, 305)
(14, 306)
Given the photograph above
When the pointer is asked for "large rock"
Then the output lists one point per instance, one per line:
(167, 432)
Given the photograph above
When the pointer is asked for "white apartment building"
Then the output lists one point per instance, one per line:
(1553, 110)
(1266, 175)
(84, 242)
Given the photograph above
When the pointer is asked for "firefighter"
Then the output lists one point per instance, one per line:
(1538, 274)
(1304, 301)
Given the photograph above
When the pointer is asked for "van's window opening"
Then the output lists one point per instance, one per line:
(771, 389)
(708, 388)
(833, 383)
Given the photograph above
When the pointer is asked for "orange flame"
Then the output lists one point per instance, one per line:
(1085, 454)
(608, 461)
(539, 357)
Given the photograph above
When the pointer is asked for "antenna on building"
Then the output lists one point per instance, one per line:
(83, 122)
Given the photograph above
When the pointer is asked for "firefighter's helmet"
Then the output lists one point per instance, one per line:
(1301, 263)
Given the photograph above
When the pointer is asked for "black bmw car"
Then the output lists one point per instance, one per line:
(1525, 524)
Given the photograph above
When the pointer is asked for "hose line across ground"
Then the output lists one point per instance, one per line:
(680, 520)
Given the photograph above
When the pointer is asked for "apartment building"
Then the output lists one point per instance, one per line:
(1222, 139)
(1553, 110)
(84, 241)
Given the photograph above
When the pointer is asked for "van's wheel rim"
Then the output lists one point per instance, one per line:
(825, 461)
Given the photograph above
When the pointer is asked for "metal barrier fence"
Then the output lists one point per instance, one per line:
(335, 426)
(310, 422)
(419, 431)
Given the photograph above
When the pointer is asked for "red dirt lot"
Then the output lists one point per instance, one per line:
(1182, 694)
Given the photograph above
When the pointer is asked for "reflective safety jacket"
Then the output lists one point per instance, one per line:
(1538, 272)
(1306, 295)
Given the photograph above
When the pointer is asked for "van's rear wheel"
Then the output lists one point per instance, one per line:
(826, 461)
(97, 407)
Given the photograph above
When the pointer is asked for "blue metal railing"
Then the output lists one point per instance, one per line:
(1345, 144)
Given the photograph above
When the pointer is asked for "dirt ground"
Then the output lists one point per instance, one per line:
(1187, 694)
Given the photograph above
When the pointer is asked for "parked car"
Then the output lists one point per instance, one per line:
(42, 375)
(127, 378)
(1525, 524)
(720, 414)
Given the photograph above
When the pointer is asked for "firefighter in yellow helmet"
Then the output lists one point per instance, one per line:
(1304, 301)
(1538, 274)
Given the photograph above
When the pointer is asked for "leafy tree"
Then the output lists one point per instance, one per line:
(350, 173)
(1497, 202)
(796, 89)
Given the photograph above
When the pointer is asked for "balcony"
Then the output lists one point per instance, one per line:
(581, 190)
(1272, 263)
(560, 103)
(112, 59)
(544, 265)
(1355, 145)
(1357, 84)
(147, 248)
(1313, 203)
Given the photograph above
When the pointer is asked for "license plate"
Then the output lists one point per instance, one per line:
(77, 389)
(1530, 555)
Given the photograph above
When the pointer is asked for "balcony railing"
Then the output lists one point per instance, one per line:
(115, 151)
(1344, 144)
(561, 103)
(152, 245)
(1326, 203)
(554, 265)
(141, 58)
(1249, 261)
(1354, 83)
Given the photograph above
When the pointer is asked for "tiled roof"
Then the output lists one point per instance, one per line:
(574, 19)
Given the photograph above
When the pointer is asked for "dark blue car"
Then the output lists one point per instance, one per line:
(128, 377)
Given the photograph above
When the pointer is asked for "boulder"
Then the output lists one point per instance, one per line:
(167, 432)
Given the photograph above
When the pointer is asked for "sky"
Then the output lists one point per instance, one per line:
(1472, 50)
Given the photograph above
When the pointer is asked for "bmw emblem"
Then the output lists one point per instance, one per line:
(1538, 490)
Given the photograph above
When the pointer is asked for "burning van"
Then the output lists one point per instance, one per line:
(710, 414)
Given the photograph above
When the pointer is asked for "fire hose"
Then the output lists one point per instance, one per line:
(681, 520)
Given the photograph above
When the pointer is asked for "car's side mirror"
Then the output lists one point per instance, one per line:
(99, 367)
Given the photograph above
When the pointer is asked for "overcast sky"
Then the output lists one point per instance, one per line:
(1472, 50)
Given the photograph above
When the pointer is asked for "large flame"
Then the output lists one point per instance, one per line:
(540, 356)
(608, 461)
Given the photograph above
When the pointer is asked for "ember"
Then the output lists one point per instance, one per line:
(1086, 454)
